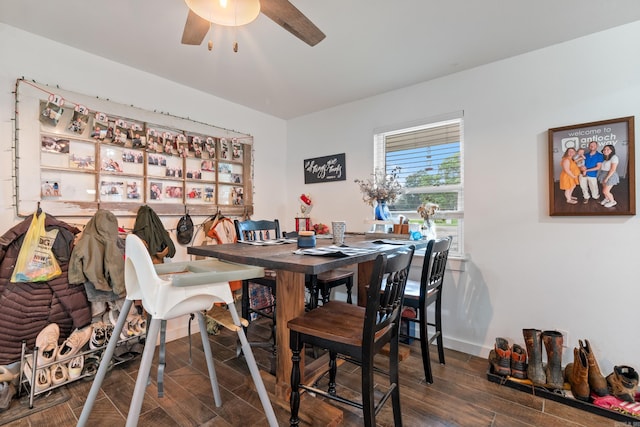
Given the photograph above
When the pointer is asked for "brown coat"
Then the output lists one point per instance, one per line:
(26, 308)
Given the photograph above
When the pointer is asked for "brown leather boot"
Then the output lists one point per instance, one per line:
(577, 374)
(623, 382)
(500, 357)
(553, 343)
(534, 350)
(597, 382)
(518, 362)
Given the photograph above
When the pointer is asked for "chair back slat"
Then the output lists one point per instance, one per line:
(385, 294)
(434, 267)
(257, 229)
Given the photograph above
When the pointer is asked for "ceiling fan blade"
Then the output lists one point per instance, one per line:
(195, 29)
(283, 13)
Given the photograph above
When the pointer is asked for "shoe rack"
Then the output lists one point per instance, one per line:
(91, 361)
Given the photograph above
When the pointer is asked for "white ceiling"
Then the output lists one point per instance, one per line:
(372, 46)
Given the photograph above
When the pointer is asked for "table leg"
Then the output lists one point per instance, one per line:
(289, 305)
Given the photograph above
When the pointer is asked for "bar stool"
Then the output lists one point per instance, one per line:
(185, 287)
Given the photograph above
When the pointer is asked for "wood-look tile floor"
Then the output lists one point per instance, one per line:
(460, 396)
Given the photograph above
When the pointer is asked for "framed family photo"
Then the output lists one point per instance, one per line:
(592, 168)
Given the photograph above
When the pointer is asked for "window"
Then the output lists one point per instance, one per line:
(430, 164)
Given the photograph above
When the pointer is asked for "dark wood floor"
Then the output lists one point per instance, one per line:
(460, 396)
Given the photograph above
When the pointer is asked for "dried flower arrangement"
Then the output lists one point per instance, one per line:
(427, 210)
(382, 187)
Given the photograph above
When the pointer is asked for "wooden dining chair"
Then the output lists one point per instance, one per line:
(259, 230)
(357, 333)
(420, 295)
(320, 286)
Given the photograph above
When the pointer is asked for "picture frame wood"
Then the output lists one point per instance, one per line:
(592, 168)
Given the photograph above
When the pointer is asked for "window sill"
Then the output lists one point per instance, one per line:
(454, 263)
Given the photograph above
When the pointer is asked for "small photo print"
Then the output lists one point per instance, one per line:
(195, 146)
(132, 156)
(111, 190)
(236, 153)
(79, 120)
(51, 189)
(208, 166)
(110, 163)
(194, 193)
(50, 113)
(133, 190)
(237, 197)
(209, 148)
(120, 131)
(156, 160)
(194, 174)
(208, 194)
(236, 178)
(55, 145)
(100, 126)
(155, 190)
(224, 149)
(173, 192)
(78, 161)
(137, 136)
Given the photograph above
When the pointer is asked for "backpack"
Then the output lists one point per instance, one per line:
(184, 230)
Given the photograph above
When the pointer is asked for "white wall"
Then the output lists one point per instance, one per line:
(48, 62)
(525, 269)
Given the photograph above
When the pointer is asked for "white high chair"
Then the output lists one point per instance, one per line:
(181, 288)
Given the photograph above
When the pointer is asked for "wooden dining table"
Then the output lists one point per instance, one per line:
(291, 269)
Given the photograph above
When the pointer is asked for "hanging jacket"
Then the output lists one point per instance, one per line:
(26, 307)
(98, 257)
(150, 229)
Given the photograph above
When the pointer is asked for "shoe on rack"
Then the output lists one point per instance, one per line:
(500, 357)
(75, 367)
(47, 343)
(43, 379)
(518, 362)
(59, 374)
(72, 345)
(623, 382)
(98, 336)
(91, 365)
(610, 204)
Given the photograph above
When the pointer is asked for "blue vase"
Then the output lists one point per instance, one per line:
(382, 211)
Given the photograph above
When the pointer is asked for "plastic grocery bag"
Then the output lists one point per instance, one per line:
(36, 262)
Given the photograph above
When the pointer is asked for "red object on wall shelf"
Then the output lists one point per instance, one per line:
(303, 224)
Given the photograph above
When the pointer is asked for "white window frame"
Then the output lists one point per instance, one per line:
(379, 157)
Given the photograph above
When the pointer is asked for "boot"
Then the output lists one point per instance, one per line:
(534, 351)
(577, 374)
(500, 357)
(597, 382)
(553, 343)
(518, 362)
(623, 382)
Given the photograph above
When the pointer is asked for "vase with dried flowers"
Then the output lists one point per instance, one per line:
(427, 210)
(382, 188)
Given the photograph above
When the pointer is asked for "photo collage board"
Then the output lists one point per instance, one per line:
(89, 155)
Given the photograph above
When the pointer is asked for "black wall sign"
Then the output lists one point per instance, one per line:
(325, 169)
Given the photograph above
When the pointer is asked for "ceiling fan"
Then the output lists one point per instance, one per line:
(202, 13)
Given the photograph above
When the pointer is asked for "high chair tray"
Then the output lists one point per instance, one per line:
(201, 272)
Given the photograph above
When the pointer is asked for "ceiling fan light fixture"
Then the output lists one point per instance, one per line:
(231, 13)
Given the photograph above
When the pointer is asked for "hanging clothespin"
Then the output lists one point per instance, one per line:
(39, 210)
